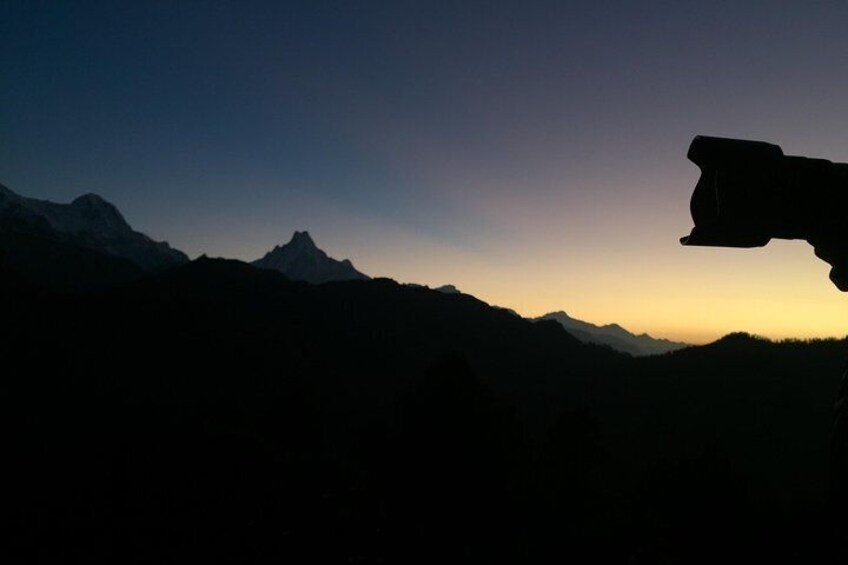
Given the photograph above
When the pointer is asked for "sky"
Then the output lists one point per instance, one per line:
(531, 153)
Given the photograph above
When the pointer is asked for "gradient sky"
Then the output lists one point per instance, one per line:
(532, 153)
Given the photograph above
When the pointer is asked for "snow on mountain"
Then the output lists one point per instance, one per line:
(88, 221)
(301, 260)
(614, 336)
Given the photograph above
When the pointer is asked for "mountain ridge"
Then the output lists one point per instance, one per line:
(90, 222)
(241, 379)
(614, 336)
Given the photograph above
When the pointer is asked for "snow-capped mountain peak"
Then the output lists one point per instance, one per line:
(301, 260)
(89, 221)
(302, 239)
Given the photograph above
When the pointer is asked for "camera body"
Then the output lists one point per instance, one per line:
(750, 192)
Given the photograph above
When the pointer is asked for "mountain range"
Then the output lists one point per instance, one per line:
(221, 411)
(301, 260)
(88, 243)
(614, 336)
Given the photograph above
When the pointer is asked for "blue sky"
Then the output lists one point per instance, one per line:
(530, 152)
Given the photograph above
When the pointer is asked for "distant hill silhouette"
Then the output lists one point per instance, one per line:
(87, 244)
(445, 288)
(448, 289)
(301, 260)
(220, 411)
(614, 336)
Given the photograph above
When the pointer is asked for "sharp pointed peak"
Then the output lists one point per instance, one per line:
(302, 238)
(300, 241)
(300, 259)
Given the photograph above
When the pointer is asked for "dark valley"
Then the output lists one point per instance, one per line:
(166, 410)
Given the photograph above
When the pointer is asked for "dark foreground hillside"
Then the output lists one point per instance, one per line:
(221, 412)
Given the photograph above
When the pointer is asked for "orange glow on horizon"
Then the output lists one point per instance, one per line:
(683, 294)
(614, 258)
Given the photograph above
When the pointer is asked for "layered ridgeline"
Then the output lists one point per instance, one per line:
(78, 245)
(301, 260)
(218, 409)
(614, 336)
(369, 421)
(88, 244)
